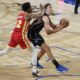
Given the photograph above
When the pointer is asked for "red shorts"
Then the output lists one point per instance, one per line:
(18, 39)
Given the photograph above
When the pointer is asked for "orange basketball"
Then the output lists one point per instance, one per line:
(64, 22)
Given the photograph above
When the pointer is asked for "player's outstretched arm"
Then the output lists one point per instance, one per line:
(39, 13)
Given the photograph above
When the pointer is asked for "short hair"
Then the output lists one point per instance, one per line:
(46, 5)
(26, 6)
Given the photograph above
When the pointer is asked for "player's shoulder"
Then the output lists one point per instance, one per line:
(21, 15)
(45, 15)
(45, 18)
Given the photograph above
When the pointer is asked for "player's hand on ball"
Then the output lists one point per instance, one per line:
(64, 22)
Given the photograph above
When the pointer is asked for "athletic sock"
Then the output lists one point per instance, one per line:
(38, 59)
(34, 69)
(55, 63)
(6, 50)
(34, 58)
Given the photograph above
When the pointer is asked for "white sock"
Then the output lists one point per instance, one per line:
(34, 69)
(6, 50)
(34, 58)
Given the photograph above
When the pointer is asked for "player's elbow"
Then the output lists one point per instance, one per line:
(48, 32)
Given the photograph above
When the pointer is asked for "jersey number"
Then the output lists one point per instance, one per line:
(19, 24)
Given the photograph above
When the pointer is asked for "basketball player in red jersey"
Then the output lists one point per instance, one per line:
(18, 36)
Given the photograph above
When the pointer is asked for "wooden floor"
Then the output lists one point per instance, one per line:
(65, 44)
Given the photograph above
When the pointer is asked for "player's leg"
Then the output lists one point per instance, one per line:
(39, 56)
(26, 44)
(11, 45)
(34, 61)
(76, 6)
(6, 50)
(39, 41)
(51, 57)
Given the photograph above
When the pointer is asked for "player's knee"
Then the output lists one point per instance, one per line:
(47, 48)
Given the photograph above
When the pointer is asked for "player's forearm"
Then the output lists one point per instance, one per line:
(35, 15)
(53, 26)
(57, 29)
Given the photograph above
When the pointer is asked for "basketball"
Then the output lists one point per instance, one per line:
(64, 22)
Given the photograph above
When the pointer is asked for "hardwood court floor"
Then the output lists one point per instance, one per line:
(65, 44)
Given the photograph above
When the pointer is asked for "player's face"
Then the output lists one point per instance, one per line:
(49, 10)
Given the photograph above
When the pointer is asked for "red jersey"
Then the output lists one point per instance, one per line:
(21, 24)
(18, 36)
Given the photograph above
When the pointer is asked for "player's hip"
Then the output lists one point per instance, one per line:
(35, 38)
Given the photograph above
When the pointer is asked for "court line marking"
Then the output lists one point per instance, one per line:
(57, 75)
(63, 49)
(78, 53)
(58, 47)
